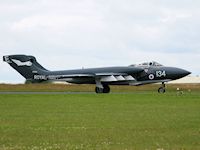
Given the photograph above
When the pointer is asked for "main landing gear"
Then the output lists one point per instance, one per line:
(105, 89)
(162, 88)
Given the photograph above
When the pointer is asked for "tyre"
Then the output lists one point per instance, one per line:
(161, 90)
(106, 89)
(98, 90)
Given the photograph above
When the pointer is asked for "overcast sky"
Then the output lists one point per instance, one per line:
(66, 34)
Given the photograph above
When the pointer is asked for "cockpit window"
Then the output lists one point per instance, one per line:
(156, 64)
(147, 64)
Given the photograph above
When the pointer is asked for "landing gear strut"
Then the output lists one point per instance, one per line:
(162, 88)
(105, 89)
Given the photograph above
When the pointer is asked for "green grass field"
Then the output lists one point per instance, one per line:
(143, 120)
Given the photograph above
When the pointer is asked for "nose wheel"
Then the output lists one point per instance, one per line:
(162, 88)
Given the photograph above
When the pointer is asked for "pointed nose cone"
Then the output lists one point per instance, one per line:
(176, 73)
(185, 72)
(182, 73)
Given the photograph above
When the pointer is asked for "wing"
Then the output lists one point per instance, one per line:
(102, 77)
(106, 75)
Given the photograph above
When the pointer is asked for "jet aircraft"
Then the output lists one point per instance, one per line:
(138, 74)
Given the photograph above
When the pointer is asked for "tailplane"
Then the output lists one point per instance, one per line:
(27, 66)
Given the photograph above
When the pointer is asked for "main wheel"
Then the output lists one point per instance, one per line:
(106, 89)
(161, 90)
(99, 90)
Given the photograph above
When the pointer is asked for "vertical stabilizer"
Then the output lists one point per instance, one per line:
(27, 66)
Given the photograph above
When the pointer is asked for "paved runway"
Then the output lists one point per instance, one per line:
(55, 93)
(45, 93)
(65, 93)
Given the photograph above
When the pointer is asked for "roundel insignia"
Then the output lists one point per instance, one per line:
(151, 76)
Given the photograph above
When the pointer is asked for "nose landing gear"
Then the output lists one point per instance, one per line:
(162, 88)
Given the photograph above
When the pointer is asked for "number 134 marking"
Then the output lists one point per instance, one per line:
(160, 73)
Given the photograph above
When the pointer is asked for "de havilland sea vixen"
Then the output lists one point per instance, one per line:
(145, 73)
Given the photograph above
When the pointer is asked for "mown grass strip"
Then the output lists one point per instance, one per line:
(107, 121)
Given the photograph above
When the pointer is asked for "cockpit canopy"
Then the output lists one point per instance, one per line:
(148, 64)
